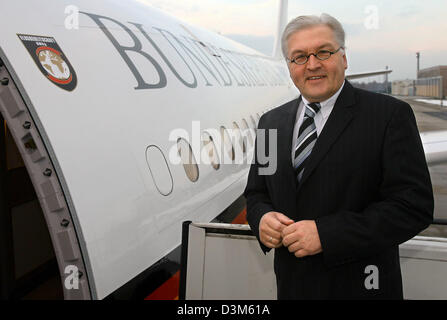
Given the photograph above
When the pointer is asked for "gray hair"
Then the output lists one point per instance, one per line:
(303, 22)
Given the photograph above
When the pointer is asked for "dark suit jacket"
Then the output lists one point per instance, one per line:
(367, 186)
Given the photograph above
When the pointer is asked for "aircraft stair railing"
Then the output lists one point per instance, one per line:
(221, 261)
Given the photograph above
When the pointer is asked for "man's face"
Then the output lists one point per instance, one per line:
(330, 73)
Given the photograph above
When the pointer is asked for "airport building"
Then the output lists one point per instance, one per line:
(435, 83)
(431, 82)
(403, 87)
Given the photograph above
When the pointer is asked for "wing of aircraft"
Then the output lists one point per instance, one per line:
(368, 74)
(435, 146)
(120, 122)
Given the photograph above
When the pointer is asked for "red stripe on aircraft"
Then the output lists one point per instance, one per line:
(241, 217)
(168, 290)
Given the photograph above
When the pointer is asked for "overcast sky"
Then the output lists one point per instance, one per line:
(379, 32)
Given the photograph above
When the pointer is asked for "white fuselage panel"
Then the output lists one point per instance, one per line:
(100, 131)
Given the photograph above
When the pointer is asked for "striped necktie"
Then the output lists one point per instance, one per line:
(307, 137)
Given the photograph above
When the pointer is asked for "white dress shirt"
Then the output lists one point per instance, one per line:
(320, 118)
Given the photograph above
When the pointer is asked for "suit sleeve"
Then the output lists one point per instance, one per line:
(406, 201)
(256, 192)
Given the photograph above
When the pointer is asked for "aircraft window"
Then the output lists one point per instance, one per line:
(239, 137)
(188, 160)
(211, 150)
(246, 132)
(226, 143)
(159, 170)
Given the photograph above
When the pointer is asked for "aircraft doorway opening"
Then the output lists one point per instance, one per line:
(29, 268)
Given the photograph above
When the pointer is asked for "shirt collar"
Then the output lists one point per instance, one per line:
(327, 105)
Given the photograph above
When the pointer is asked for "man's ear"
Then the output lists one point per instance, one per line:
(345, 61)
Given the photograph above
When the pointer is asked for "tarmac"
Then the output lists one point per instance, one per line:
(430, 117)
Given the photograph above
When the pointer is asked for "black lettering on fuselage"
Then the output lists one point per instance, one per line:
(227, 65)
(208, 53)
(191, 85)
(231, 62)
(215, 65)
(192, 56)
(122, 50)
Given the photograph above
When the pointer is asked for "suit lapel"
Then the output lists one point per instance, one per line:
(340, 117)
(285, 136)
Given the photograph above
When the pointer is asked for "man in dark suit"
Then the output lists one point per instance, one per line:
(351, 182)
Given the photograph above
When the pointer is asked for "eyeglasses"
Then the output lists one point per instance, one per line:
(320, 55)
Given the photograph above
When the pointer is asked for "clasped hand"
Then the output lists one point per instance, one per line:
(301, 238)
